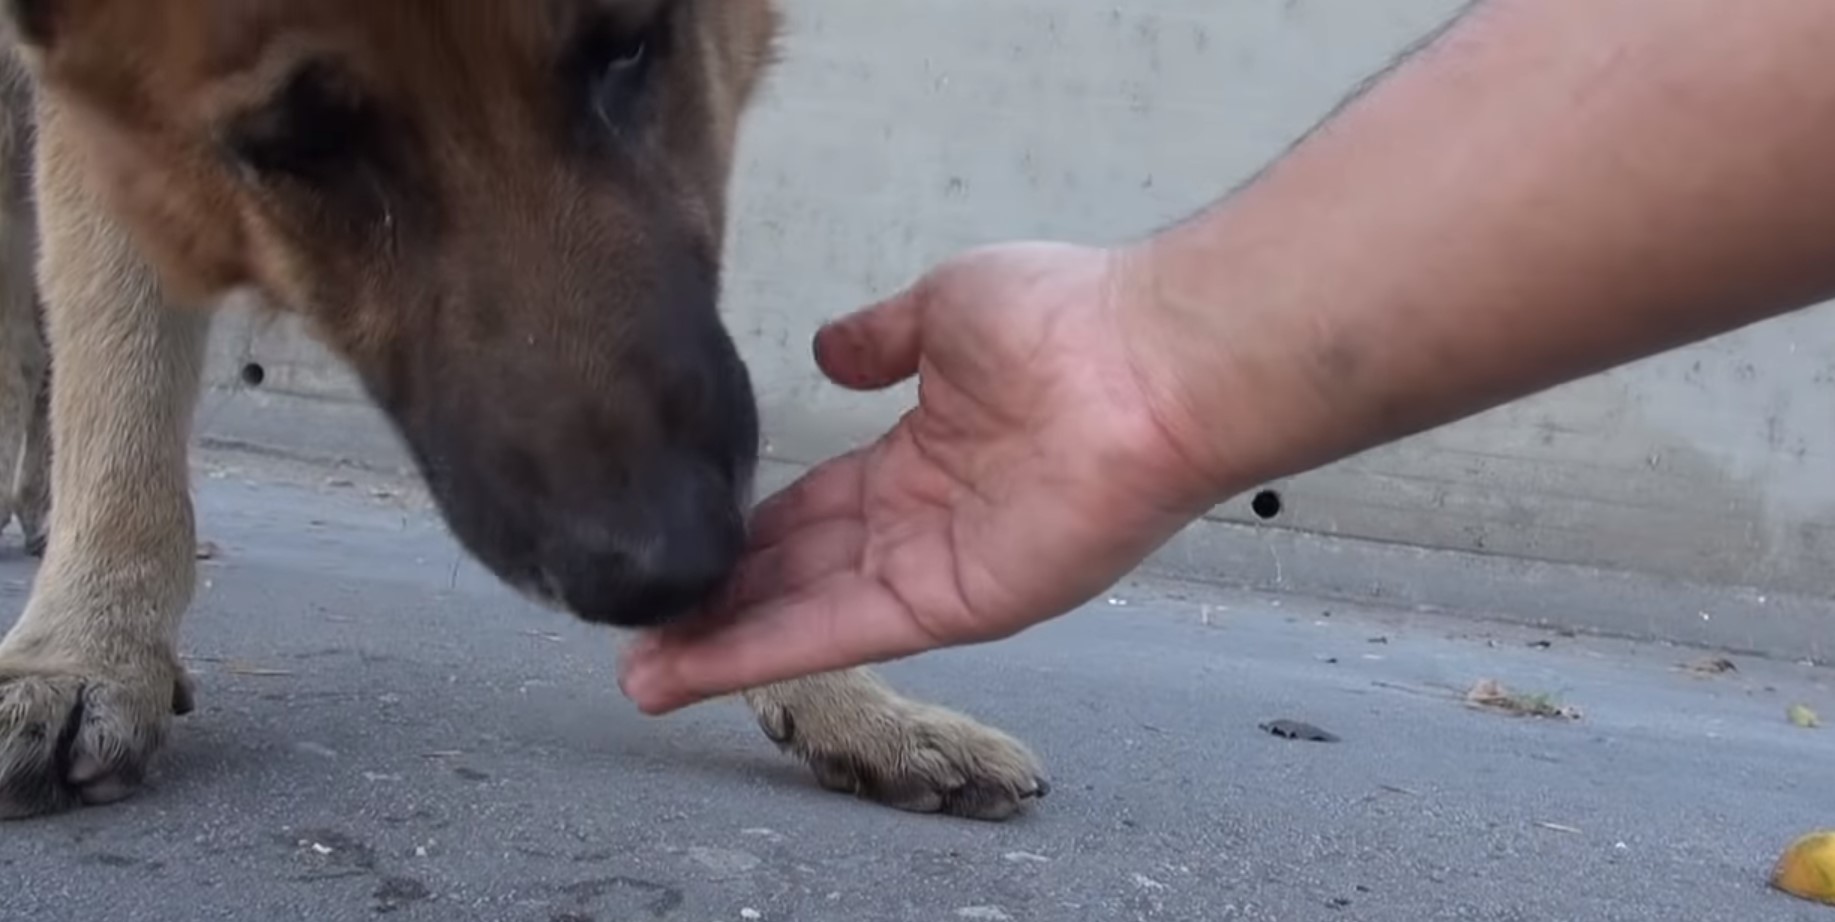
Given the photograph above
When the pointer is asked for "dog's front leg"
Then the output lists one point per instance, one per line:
(861, 737)
(90, 676)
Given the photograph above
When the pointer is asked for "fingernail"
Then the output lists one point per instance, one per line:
(847, 361)
(636, 684)
(826, 345)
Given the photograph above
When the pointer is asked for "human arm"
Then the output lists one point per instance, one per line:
(1553, 188)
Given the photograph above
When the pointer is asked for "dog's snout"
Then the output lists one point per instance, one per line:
(651, 556)
(603, 469)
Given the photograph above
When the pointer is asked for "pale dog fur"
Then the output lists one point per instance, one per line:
(90, 675)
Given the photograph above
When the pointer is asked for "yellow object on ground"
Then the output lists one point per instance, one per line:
(1807, 868)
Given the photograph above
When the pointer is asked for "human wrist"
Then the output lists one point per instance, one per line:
(1222, 360)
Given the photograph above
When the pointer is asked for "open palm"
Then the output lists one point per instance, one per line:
(1031, 474)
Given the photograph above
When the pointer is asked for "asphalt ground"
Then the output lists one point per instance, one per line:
(383, 730)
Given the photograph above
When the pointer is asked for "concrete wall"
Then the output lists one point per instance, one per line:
(898, 131)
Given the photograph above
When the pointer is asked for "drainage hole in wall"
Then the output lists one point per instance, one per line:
(253, 374)
(1266, 505)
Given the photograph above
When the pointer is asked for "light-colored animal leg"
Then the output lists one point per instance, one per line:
(89, 676)
(861, 737)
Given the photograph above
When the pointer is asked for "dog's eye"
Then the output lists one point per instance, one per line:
(310, 127)
(627, 57)
(618, 66)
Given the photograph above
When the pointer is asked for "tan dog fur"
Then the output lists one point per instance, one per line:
(134, 236)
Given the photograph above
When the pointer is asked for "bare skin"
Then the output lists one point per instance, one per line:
(1550, 189)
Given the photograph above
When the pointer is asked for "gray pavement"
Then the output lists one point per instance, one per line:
(382, 730)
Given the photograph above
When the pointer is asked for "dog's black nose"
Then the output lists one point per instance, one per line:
(651, 555)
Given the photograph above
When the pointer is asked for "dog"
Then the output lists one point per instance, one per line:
(506, 217)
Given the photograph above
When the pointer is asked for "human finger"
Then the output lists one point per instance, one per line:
(829, 490)
(877, 346)
(800, 559)
(838, 623)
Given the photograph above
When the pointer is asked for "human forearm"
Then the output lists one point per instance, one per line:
(1555, 187)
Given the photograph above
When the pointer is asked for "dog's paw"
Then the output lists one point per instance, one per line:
(78, 736)
(911, 756)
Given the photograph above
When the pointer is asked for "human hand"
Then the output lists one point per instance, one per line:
(1034, 471)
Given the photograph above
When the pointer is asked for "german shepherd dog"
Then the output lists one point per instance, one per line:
(506, 217)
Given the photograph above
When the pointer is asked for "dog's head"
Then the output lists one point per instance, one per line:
(506, 215)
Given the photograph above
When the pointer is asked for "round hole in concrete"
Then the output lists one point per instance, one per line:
(1267, 504)
(253, 374)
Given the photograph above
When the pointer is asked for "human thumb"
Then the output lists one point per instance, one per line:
(875, 347)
